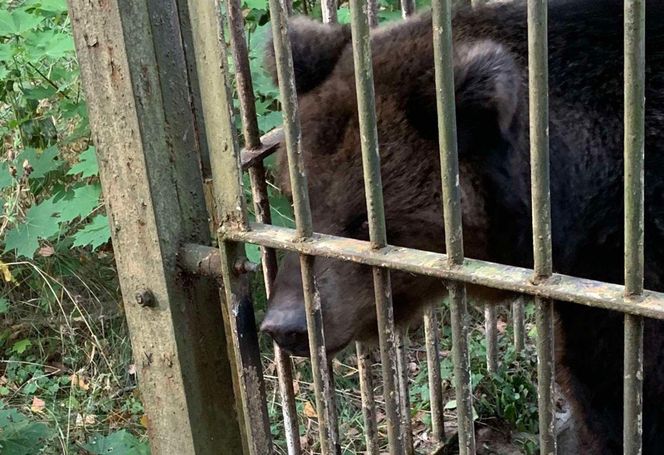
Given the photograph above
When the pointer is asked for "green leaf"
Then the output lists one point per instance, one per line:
(39, 223)
(48, 43)
(253, 253)
(53, 6)
(20, 346)
(20, 436)
(95, 234)
(87, 164)
(78, 203)
(4, 305)
(41, 220)
(18, 21)
(6, 52)
(117, 443)
(256, 4)
(6, 179)
(21, 242)
(343, 15)
(269, 121)
(42, 162)
(39, 92)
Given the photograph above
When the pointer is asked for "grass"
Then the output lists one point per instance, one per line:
(505, 402)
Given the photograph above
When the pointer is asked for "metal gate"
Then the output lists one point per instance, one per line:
(153, 70)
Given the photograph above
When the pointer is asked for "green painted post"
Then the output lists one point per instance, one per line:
(134, 74)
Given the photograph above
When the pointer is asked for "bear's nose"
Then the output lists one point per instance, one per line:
(289, 330)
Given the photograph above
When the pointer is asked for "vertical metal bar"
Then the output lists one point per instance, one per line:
(432, 337)
(226, 171)
(282, 360)
(634, 219)
(372, 12)
(322, 388)
(519, 324)
(442, 41)
(491, 331)
(262, 208)
(376, 216)
(329, 10)
(404, 397)
(287, 5)
(245, 88)
(407, 8)
(368, 403)
(539, 163)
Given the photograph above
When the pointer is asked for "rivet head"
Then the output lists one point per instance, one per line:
(144, 297)
(244, 265)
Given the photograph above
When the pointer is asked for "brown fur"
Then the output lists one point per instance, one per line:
(490, 67)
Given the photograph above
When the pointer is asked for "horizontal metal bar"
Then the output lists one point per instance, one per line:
(472, 271)
(269, 144)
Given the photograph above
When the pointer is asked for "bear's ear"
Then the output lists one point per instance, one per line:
(316, 48)
(487, 84)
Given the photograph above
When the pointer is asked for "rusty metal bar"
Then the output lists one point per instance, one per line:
(407, 8)
(491, 332)
(282, 360)
(269, 143)
(324, 397)
(372, 12)
(329, 10)
(634, 63)
(449, 162)
(474, 272)
(226, 172)
(541, 202)
(404, 397)
(245, 87)
(518, 324)
(368, 402)
(261, 204)
(376, 217)
(432, 337)
(490, 320)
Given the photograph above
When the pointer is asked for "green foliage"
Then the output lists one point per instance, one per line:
(118, 443)
(19, 435)
(48, 174)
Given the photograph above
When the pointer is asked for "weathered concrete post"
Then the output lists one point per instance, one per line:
(134, 71)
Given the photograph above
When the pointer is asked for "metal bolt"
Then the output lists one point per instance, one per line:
(144, 297)
(244, 265)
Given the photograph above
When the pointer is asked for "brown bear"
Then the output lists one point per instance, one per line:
(586, 146)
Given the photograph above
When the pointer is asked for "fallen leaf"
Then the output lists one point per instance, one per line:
(6, 273)
(80, 382)
(38, 405)
(309, 410)
(46, 251)
(144, 420)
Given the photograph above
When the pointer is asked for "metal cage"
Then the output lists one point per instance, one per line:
(153, 71)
